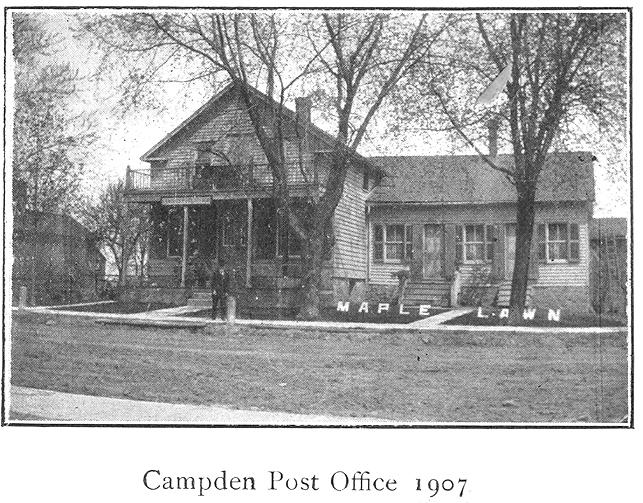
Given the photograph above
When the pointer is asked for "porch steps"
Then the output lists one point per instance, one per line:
(434, 292)
(504, 294)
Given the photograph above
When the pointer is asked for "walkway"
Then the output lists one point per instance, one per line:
(438, 319)
(36, 405)
(428, 324)
(172, 311)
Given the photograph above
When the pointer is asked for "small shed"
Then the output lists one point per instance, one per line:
(56, 258)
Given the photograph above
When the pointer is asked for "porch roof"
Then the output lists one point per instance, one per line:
(466, 179)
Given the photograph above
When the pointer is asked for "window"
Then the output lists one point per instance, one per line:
(558, 242)
(175, 232)
(378, 243)
(233, 223)
(392, 243)
(271, 231)
(474, 243)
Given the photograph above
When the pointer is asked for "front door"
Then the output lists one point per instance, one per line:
(510, 250)
(432, 257)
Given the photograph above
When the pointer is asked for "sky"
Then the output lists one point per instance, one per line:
(124, 138)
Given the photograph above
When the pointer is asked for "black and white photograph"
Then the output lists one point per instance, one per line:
(299, 217)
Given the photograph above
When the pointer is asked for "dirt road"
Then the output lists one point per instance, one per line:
(443, 377)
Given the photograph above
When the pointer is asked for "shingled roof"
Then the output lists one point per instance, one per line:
(451, 179)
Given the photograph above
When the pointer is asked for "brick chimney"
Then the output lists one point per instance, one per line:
(492, 125)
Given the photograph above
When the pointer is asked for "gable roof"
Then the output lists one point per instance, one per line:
(149, 155)
(289, 114)
(452, 179)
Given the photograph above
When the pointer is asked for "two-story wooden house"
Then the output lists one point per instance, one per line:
(210, 191)
(447, 220)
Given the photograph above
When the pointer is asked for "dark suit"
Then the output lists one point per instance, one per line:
(220, 291)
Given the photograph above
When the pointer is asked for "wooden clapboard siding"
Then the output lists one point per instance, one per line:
(349, 254)
(549, 274)
(384, 273)
(222, 125)
(468, 271)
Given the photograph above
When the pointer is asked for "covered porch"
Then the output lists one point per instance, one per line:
(190, 235)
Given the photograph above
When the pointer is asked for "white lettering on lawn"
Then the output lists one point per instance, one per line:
(343, 306)
(553, 315)
(528, 314)
(382, 307)
(402, 311)
(504, 313)
(363, 308)
(480, 315)
(424, 310)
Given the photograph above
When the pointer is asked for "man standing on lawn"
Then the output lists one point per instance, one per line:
(220, 290)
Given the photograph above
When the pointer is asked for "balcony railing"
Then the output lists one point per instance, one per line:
(222, 178)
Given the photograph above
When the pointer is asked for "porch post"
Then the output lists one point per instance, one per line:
(184, 257)
(449, 251)
(417, 264)
(249, 244)
(499, 252)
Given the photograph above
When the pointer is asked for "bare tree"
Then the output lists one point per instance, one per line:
(122, 228)
(566, 75)
(48, 139)
(362, 57)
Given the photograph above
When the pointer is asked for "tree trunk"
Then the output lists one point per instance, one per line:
(34, 257)
(312, 263)
(524, 233)
(122, 273)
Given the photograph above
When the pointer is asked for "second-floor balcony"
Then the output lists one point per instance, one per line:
(210, 179)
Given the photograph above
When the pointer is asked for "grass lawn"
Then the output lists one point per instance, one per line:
(540, 320)
(435, 376)
(118, 307)
(331, 314)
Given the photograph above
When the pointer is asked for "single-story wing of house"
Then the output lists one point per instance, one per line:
(456, 217)
(445, 225)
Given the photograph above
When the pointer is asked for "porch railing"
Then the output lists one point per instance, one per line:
(137, 180)
(208, 178)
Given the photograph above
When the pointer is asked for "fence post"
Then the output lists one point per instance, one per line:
(456, 285)
(22, 303)
(128, 175)
(231, 309)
